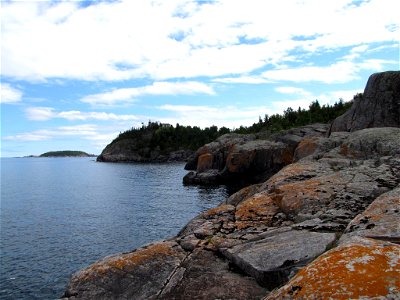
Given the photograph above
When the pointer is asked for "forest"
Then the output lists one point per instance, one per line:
(167, 138)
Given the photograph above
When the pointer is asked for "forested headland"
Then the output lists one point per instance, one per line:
(166, 138)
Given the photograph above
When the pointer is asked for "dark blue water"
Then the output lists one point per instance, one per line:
(59, 215)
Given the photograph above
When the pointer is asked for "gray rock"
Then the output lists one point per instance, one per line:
(273, 259)
(208, 177)
(206, 276)
(381, 220)
(379, 106)
(218, 149)
(141, 274)
(372, 142)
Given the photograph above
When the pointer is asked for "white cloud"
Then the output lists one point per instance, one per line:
(40, 113)
(122, 40)
(205, 116)
(242, 79)
(85, 130)
(293, 91)
(339, 72)
(307, 97)
(47, 113)
(9, 94)
(129, 95)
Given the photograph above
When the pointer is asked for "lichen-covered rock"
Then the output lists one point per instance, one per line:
(379, 106)
(345, 185)
(242, 194)
(257, 210)
(272, 259)
(206, 276)
(140, 274)
(372, 142)
(305, 148)
(256, 157)
(360, 269)
(247, 158)
(205, 162)
(381, 220)
(218, 149)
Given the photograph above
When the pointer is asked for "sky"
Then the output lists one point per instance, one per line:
(74, 74)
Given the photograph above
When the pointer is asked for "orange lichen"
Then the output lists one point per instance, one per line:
(287, 156)
(219, 210)
(239, 161)
(380, 218)
(292, 170)
(291, 197)
(306, 147)
(345, 150)
(351, 271)
(128, 260)
(205, 162)
(259, 208)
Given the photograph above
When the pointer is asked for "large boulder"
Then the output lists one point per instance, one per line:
(379, 106)
(272, 259)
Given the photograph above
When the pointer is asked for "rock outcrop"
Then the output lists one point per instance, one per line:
(379, 106)
(130, 150)
(325, 226)
(248, 158)
(341, 193)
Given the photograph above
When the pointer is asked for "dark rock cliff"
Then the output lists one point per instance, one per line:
(378, 106)
(324, 226)
(247, 158)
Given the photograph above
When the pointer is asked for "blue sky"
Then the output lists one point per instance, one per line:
(75, 74)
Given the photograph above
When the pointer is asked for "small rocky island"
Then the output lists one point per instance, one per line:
(320, 221)
(66, 153)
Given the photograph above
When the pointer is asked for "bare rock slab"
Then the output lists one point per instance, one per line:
(141, 274)
(272, 260)
(204, 275)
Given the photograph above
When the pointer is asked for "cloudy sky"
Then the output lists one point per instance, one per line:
(76, 73)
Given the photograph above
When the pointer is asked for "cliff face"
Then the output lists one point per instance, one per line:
(378, 106)
(324, 226)
(247, 158)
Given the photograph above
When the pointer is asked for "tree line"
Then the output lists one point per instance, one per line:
(166, 138)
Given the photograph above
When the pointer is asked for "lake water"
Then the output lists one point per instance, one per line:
(59, 215)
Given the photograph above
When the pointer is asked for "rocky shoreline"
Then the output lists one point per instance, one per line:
(322, 221)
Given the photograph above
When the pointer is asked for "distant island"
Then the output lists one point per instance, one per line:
(66, 153)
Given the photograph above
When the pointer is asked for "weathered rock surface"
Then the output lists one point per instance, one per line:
(272, 259)
(379, 221)
(379, 106)
(141, 274)
(247, 158)
(260, 237)
(360, 269)
(342, 193)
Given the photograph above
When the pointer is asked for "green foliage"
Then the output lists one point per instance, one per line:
(300, 117)
(166, 138)
(64, 153)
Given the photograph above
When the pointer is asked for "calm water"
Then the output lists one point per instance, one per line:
(59, 215)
